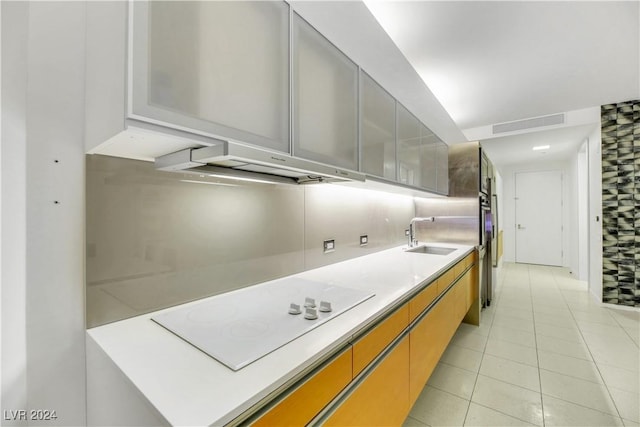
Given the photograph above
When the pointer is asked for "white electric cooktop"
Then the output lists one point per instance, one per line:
(240, 327)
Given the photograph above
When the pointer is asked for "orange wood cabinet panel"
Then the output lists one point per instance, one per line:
(458, 268)
(461, 297)
(428, 340)
(445, 279)
(422, 300)
(382, 399)
(465, 263)
(475, 282)
(471, 285)
(452, 305)
(369, 346)
(472, 258)
(307, 401)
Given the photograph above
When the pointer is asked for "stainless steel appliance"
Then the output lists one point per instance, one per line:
(238, 328)
(485, 173)
(470, 184)
(486, 240)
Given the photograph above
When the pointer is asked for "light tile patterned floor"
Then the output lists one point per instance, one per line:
(545, 354)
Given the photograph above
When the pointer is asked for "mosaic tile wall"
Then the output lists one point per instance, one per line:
(621, 203)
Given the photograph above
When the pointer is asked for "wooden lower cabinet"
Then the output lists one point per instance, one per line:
(371, 345)
(446, 279)
(460, 294)
(382, 399)
(430, 337)
(471, 287)
(388, 391)
(299, 407)
(422, 300)
(473, 297)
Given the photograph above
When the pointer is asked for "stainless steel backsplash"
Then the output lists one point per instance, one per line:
(157, 239)
(456, 220)
(457, 217)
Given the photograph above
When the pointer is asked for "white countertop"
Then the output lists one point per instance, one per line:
(190, 388)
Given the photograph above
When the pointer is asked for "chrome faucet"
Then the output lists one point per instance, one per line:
(412, 239)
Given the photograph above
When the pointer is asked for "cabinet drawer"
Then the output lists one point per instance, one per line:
(428, 340)
(459, 268)
(382, 399)
(446, 279)
(306, 401)
(472, 258)
(465, 283)
(463, 264)
(460, 295)
(475, 286)
(469, 260)
(422, 300)
(471, 288)
(369, 346)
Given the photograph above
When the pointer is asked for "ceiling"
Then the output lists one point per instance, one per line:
(489, 62)
(518, 149)
(495, 61)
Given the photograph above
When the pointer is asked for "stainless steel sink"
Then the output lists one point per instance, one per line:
(431, 250)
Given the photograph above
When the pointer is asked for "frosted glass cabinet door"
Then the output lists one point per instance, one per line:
(428, 158)
(325, 99)
(409, 143)
(219, 68)
(443, 167)
(377, 129)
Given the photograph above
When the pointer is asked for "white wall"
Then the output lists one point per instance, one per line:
(572, 254)
(499, 191)
(13, 359)
(508, 218)
(594, 160)
(43, 362)
(583, 212)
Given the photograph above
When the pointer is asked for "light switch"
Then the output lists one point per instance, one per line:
(364, 239)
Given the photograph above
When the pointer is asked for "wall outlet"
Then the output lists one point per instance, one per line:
(329, 245)
(364, 240)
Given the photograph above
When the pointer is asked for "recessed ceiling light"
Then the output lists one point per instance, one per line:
(541, 147)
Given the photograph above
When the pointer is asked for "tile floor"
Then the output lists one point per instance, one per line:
(545, 354)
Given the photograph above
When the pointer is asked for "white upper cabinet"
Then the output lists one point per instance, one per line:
(377, 130)
(218, 68)
(162, 76)
(409, 144)
(443, 168)
(428, 158)
(325, 100)
(422, 157)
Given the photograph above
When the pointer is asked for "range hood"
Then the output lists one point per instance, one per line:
(229, 158)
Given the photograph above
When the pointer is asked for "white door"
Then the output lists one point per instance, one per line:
(539, 217)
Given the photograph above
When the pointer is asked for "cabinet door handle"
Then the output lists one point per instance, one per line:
(520, 227)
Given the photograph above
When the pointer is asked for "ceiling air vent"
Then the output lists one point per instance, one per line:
(554, 119)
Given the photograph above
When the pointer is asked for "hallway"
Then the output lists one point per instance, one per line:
(545, 354)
